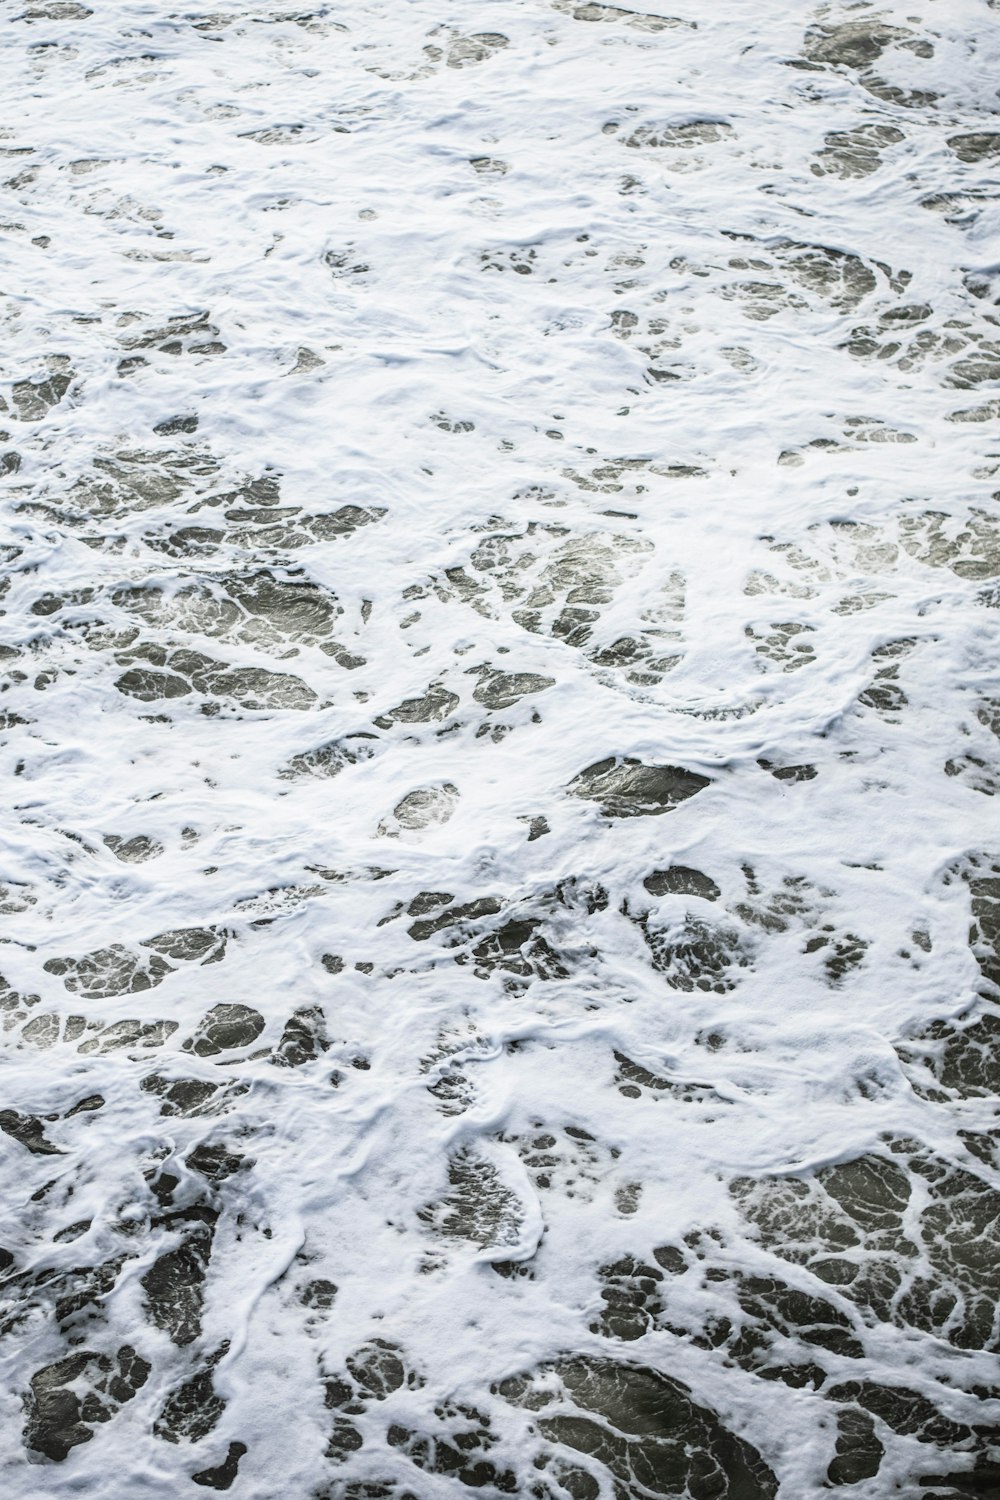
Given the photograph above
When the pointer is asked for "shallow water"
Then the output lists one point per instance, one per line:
(500, 893)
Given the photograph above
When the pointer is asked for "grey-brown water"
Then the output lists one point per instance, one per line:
(500, 885)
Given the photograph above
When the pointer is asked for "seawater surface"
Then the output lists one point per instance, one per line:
(501, 879)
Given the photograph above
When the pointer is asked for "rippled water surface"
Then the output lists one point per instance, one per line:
(501, 880)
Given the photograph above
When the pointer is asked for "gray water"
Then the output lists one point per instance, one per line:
(500, 883)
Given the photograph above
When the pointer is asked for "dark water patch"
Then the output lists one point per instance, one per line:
(176, 673)
(565, 1161)
(372, 1373)
(982, 875)
(976, 146)
(469, 911)
(86, 1105)
(859, 1453)
(71, 1396)
(34, 399)
(330, 759)
(203, 945)
(852, 44)
(135, 480)
(695, 954)
(194, 1408)
(424, 807)
(906, 1412)
(886, 694)
(319, 1295)
(489, 166)
(459, 1450)
(215, 1161)
(989, 411)
(957, 1059)
(589, 10)
(784, 643)
(192, 1096)
(634, 1081)
(804, 772)
(685, 136)
(627, 788)
(642, 1430)
(72, 1300)
(131, 1032)
(226, 1027)
(174, 425)
(769, 1328)
(175, 1283)
(981, 366)
(969, 544)
(183, 334)
(257, 609)
(855, 153)
(504, 689)
(303, 1039)
(841, 953)
(558, 586)
(107, 972)
(518, 947)
(976, 772)
(431, 707)
(362, 1489)
(465, 51)
(29, 1132)
(851, 1227)
(453, 1092)
(187, 541)
(478, 1205)
(630, 1290)
(223, 1475)
(134, 850)
(427, 901)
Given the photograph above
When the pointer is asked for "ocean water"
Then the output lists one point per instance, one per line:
(501, 877)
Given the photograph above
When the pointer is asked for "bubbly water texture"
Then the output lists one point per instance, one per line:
(501, 899)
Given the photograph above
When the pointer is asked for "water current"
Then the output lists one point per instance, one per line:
(500, 878)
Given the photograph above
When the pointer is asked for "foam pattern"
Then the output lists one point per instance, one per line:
(500, 888)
